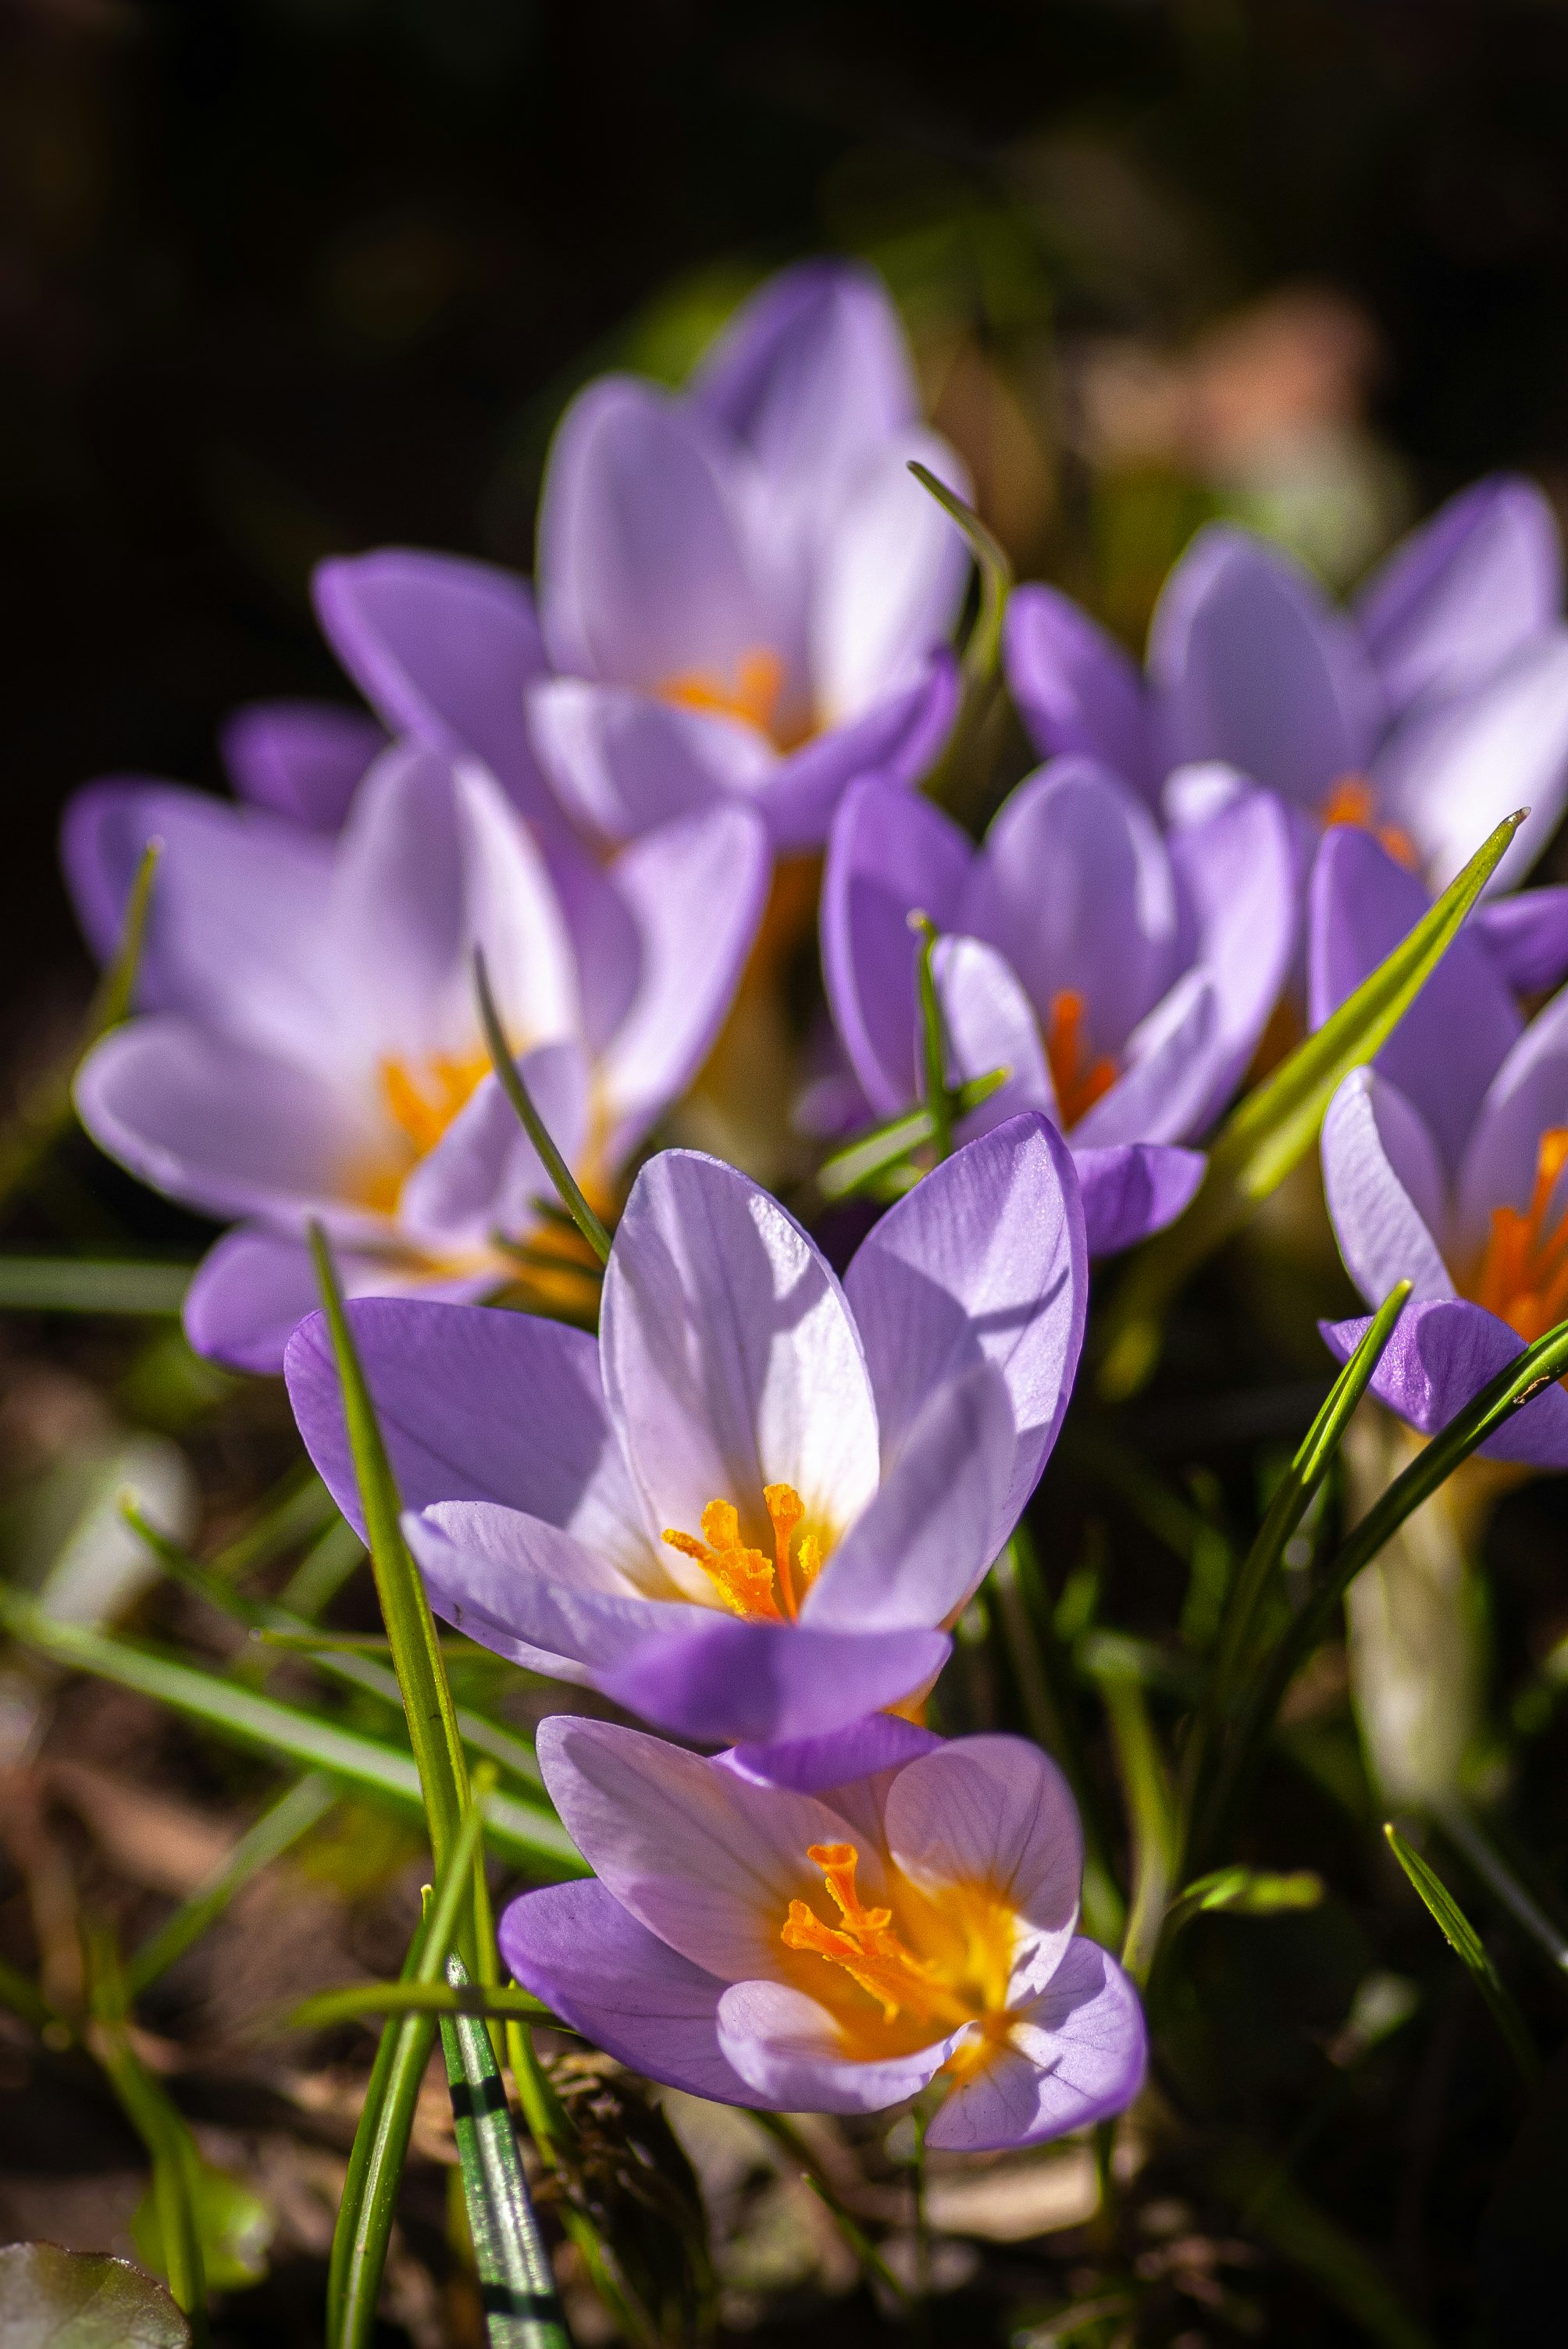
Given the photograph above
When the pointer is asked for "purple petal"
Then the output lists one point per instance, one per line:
(1526, 937)
(1441, 1354)
(645, 577)
(1448, 774)
(1460, 596)
(1451, 1041)
(301, 758)
(1172, 1057)
(1251, 664)
(1528, 1097)
(1240, 877)
(440, 648)
(253, 1289)
(984, 1258)
(889, 853)
(816, 1765)
(730, 1360)
(755, 1683)
(1074, 885)
(922, 1548)
(791, 2052)
(889, 580)
(1386, 1190)
(474, 1405)
(990, 1024)
(696, 890)
(1079, 693)
(575, 1947)
(1133, 1189)
(1078, 2055)
(898, 739)
(621, 762)
(993, 1811)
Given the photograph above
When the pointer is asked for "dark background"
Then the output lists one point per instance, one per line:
(284, 276)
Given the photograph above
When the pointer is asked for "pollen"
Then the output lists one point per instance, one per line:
(746, 1579)
(1523, 1276)
(1354, 800)
(1079, 1081)
(753, 692)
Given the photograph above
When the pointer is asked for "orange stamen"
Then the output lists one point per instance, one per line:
(1079, 1086)
(1523, 1276)
(753, 694)
(868, 1949)
(1352, 801)
(424, 1100)
(744, 1574)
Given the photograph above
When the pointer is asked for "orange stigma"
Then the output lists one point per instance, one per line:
(747, 1577)
(753, 693)
(868, 1949)
(1523, 1276)
(1352, 801)
(1079, 1081)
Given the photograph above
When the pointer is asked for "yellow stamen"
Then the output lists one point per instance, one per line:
(1523, 1276)
(1079, 1081)
(869, 1950)
(753, 694)
(1352, 799)
(423, 1101)
(744, 1576)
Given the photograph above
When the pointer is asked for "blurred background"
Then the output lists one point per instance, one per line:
(282, 277)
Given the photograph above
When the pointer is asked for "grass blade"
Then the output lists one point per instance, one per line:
(1275, 1126)
(517, 2286)
(509, 1078)
(933, 1057)
(497, 2001)
(1151, 1812)
(961, 773)
(306, 1803)
(84, 1284)
(1467, 1946)
(884, 1147)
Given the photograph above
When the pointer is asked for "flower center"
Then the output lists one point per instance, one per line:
(423, 1098)
(1352, 799)
(746, 1579)
(1079, 1080)
(956, 1972)
(753, 693)
(1523, 1275)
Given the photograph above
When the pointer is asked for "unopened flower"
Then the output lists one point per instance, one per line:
(743, 591)
(1122, 980)
(311, 1047)
(833, 1927)
(1444, 1163)
(753, 1506)
(1427, 712)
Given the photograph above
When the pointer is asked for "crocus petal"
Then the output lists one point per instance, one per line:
(643, 574)
(253, 1287)
(620, 762)
(1451, 1041)
(301, 758)
(813, 376)
(1075, 2055)
(923, 1548)
(1449, 773)
(1132, 1189)
(474, 1405)
(533, 1593)
(984, 1258)
(790, 2051)
(1460, 596)
(754, 1683)
(696, 890)
(1526, 938)
(730, 1361)
(890, 853)
(990, 1024)
(573, 1946)
(700, 1856)
(237, 915)
(227, 1129)
(993, 1811)
(1527, 1096)
(441, 648)
(1077, 690)
(1074, 885)
(1383, 1182)
(1239, 879)
(890, 579)
(484, 1178)
(1251, 664)
(898, 737)
(1441, 1354)
(815, 1765)
(1164, 1091)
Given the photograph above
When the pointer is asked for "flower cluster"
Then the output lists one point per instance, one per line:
(745, 1499)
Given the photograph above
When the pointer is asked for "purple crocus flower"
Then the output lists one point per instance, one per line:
(743, 591)
(1443, 1164)
(833, 1926)
(1425, 713)
(751, 1509)
(312, 1047)
(1123, 980)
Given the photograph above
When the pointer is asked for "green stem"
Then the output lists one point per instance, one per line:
(509, 1078)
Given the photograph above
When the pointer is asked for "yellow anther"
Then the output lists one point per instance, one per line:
(1523, 1276)
(1079, 1081)
(867, 1948)
(746, 1579)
